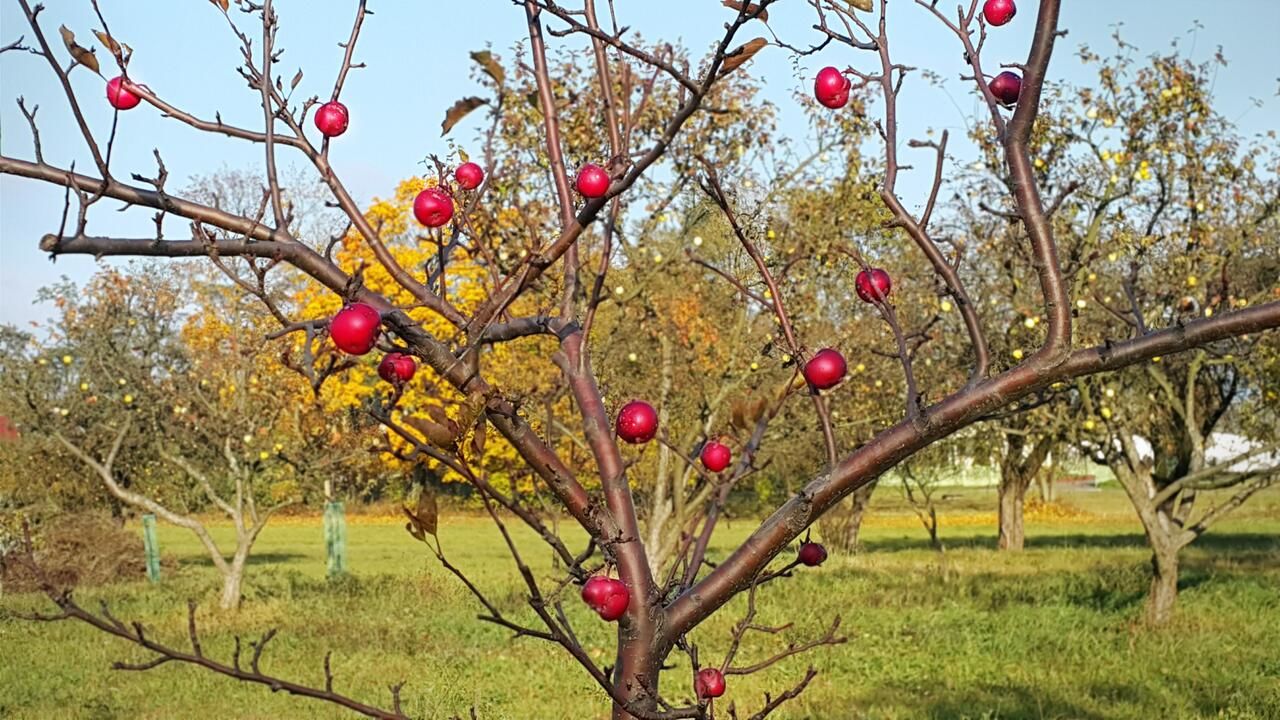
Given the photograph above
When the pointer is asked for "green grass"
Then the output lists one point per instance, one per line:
(1051, 632)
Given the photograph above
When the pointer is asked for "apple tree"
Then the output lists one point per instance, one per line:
(549, 296)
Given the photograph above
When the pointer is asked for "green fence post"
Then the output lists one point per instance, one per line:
(335, 539)
(152, 547)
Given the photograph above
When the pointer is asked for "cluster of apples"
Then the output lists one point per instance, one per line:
(1007, 86)
(831, 88)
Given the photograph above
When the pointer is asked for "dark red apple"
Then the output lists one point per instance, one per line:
(593, 181)
(355, 328)
(121, 95)
(332, 119)
(716, 456)
(607, 596)
(469, 176)
(433, 207)
(812, 554)
(709, 683)
(1006, 86)
(999, 12)
(397, 368)
(831, 88)
(872, 285)
(637, 422)
(825, 369)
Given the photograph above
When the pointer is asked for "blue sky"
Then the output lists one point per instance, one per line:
(418, 65)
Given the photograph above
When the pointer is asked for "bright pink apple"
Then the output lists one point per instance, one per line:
(355, 328)
(1006, 86)
(397, 368)
(831, 88)
(332, 119)
(812, 554)
(593, 181)
(872, 285)
(709, 683)
(999, 12)
(716, 456)
(433, 207)
(825, 369)
(637, 422)
(121, 95)
(469, 176)
(607, 596)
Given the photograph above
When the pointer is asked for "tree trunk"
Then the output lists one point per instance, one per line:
(231, 588)
(636, 671)
(1164, 585)
(860, 499)
(233, 578)
(1013, 493)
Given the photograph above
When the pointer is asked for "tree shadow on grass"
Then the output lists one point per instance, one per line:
(265, 558)
(1265, 543)
(989, 701)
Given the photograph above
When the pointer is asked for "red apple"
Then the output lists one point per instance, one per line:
(433, 207)
(355, 328)
(812, 554)
(595, 590)
(872, 285)
(121, 95)
(999, 12)
(1006, 86)
(637, 422)
(709, 683)
(825, 369)
(469, 176)
(593, 181)
(608, 597)
(716, 456)
(332, 119)
(831, 88)
(397, 368)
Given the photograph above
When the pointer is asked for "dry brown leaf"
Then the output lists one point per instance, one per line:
(223, 4)
(79, 53)
(863, 5)
(479, 437)
(742, 54)
(751, 8)
(296, 79)
(435, 433)
(428, 511)
(460, 109)
(108, 41)
(486, 61)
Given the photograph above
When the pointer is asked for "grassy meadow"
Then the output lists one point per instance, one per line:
(1051, 632)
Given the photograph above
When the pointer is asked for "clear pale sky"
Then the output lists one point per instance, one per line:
(418, 65)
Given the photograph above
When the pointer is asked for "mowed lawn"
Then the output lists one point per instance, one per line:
(1051, 632)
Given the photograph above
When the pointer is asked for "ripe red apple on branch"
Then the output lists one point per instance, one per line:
(831, 88)
(332, 119)
(593, 181)
(716, 456)
(873, 285)
(825, 369)
(469, 176)
(811, 554)
(1006, 87)
(120, 94)
(397, 368)
(999, 12)
(609, 597)
(433, 207)
(354, 328)
(709, 683)
(637, 422)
